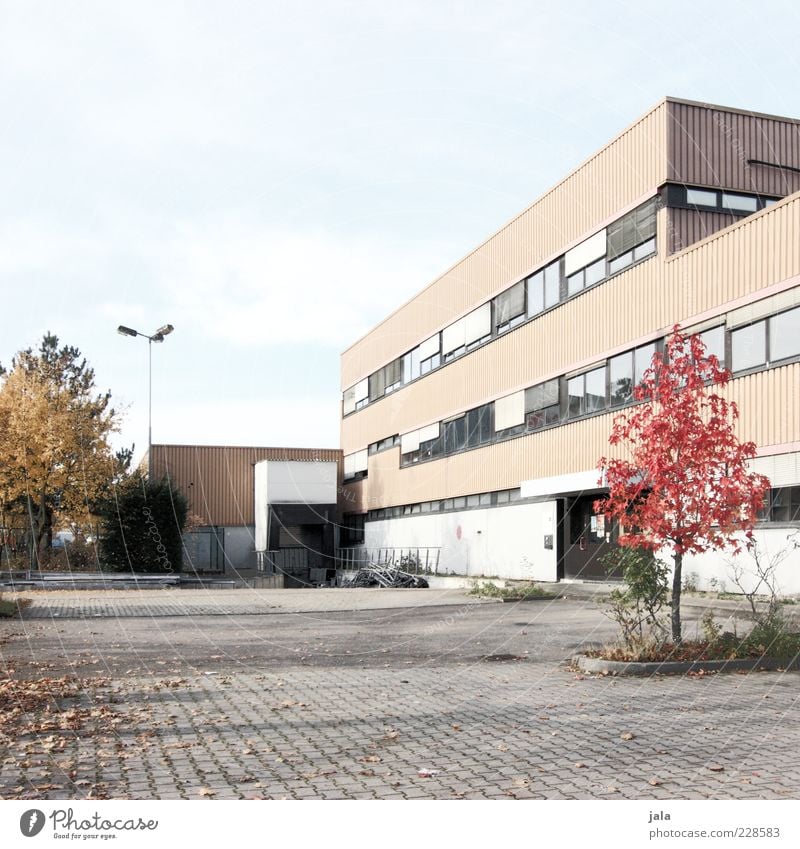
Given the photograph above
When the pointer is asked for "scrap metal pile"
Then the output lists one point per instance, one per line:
(385, 576)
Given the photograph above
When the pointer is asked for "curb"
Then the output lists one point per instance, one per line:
(620, 667)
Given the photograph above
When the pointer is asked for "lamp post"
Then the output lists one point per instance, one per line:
(158, 336)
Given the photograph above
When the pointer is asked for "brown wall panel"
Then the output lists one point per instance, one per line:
(218, 480)
(687, 226)
(710, 146)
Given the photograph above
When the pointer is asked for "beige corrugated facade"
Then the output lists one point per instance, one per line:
(707, 263)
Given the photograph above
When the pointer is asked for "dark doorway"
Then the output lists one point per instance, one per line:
(587, 536)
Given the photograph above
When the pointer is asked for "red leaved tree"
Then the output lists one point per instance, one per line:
(686, 485)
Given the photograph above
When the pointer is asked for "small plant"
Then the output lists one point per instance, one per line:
(690, 582)
(637, 608)
(7, 609)
(486, 589)
(770, 634)
(710, 628)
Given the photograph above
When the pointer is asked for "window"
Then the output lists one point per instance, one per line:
(386, 379)
(701, 197)
(714, 340)
(784, 335)
(625, 371)
(384, 444)
(355, 465)
(411, 365)
(586, 277)
(352, 531)
(542, 405)
(509, 308)
(586, 393)
(544, 288)
(749, 346)
(782, 505)
(454, 435)
(739, 203)
(632, 237)
(479, 425)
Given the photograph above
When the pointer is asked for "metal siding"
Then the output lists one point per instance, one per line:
(572, 448)
(687, 226)
(631, 165)
(640, 302)
(710, 146)
(218, 480)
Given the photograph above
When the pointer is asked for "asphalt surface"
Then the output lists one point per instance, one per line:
(368, 694)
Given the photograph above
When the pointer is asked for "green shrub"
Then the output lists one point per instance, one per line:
(142, 526)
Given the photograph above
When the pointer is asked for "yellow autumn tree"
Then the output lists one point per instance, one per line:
(55, 458)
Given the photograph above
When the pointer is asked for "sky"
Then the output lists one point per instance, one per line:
(273, 178)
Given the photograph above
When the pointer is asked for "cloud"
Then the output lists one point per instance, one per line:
(255, 286)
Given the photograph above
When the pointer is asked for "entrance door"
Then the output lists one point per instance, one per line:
(587, 537)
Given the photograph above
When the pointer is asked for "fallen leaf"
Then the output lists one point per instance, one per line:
(655, 782)
(370, 759)
(626, 736)
(206, 791)
(716, 768)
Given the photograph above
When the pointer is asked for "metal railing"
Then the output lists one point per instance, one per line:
(282, 561)
(416, 561)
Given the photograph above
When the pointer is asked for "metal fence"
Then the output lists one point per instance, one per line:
(282, 561)
(417, 561)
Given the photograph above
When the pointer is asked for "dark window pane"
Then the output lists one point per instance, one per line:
(621, 378)
(595, 398)
(542, 395)
(785, 335)
(454, 435)
(509, 304)
(632, 229)
(748, 346)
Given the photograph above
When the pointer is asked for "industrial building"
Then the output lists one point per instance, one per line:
(474, 415)
(256, 510)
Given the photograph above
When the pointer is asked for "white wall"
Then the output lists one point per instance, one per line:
(300, 482)
(506, 542)
(290, 482)
(713, 570)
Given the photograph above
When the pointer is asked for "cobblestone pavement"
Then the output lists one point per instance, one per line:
(426, 702)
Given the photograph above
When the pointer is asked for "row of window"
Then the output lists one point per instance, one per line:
(766, 342)
(781, 505)
(446, 505)
(716, 200)
(626, 241)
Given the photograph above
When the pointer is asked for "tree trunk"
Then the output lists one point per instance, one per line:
(676, 599)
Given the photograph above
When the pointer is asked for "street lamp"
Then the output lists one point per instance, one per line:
(158, 336)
